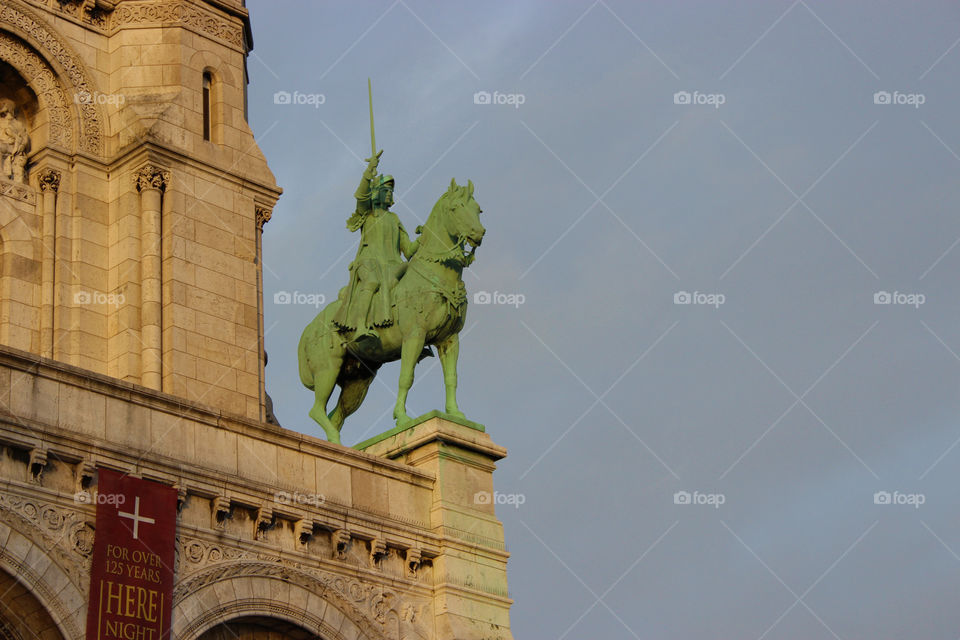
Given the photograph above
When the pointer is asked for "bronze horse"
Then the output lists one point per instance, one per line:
(430, 305)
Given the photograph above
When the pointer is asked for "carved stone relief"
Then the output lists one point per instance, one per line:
(45, 82)
(14, 142)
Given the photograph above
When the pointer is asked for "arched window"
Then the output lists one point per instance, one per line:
(207, 111)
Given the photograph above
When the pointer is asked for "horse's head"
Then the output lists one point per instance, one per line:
(457, 216)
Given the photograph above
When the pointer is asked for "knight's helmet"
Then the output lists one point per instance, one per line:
(378, 188)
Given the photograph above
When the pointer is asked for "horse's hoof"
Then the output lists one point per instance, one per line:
(456, 413)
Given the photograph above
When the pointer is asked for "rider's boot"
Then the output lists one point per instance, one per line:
(358, 312)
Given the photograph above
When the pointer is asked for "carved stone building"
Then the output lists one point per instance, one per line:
(132, 202)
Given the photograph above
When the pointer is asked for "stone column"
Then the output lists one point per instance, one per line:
(151, 182)
(470, 574)
(263, 216)
(49, 180)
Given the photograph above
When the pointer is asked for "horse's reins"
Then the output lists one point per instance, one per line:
(454, 252)
(455, 297)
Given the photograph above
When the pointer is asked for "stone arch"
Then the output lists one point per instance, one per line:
(224, 86)
(235, 591)
(208, 61)
(45, 85)
(240, 611)
(22, 616)
(39, 570)
(257, 628)
(59, 59)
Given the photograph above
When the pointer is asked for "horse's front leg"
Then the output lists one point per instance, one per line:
(409, 354)
(449, 351)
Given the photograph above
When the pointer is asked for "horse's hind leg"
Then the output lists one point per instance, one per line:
(352, 394)
(323, 383)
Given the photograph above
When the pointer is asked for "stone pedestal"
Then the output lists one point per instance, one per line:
(471, 600)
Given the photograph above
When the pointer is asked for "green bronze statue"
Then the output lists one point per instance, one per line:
(392, 309)
(378, 265)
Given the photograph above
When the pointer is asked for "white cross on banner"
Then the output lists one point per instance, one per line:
(136, 517)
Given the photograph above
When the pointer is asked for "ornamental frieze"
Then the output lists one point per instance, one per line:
(172, 13)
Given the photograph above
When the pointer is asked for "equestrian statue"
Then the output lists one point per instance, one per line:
(392, 309)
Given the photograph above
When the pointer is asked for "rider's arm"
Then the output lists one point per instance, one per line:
(408, 248)
(362, 194)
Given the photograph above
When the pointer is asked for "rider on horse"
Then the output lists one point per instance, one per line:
(378, 265)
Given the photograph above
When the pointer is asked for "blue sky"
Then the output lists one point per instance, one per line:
(785, 164)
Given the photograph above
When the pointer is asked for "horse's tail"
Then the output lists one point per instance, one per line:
(306, 375)
(314, 345)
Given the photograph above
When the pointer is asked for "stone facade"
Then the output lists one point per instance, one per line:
(131, 242)
(389, 542)
(131, 338)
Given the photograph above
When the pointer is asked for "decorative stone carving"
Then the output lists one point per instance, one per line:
(85, 472)
(88, 11)
(411, 622)
(413, 558)
(38, 461)
(63, 533)
(81, 537)
(49, 180)
(379, 607)
(378, 551)
(340, 540)
(264, 522)
(303, 530)
(194, 552)
(199, 554)
(263, 216)
(18, 191)
(151, 177)
(177, 13)
(219, 512)
(14, 142)
(44, 82)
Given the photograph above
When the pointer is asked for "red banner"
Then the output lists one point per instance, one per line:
(131, 582)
